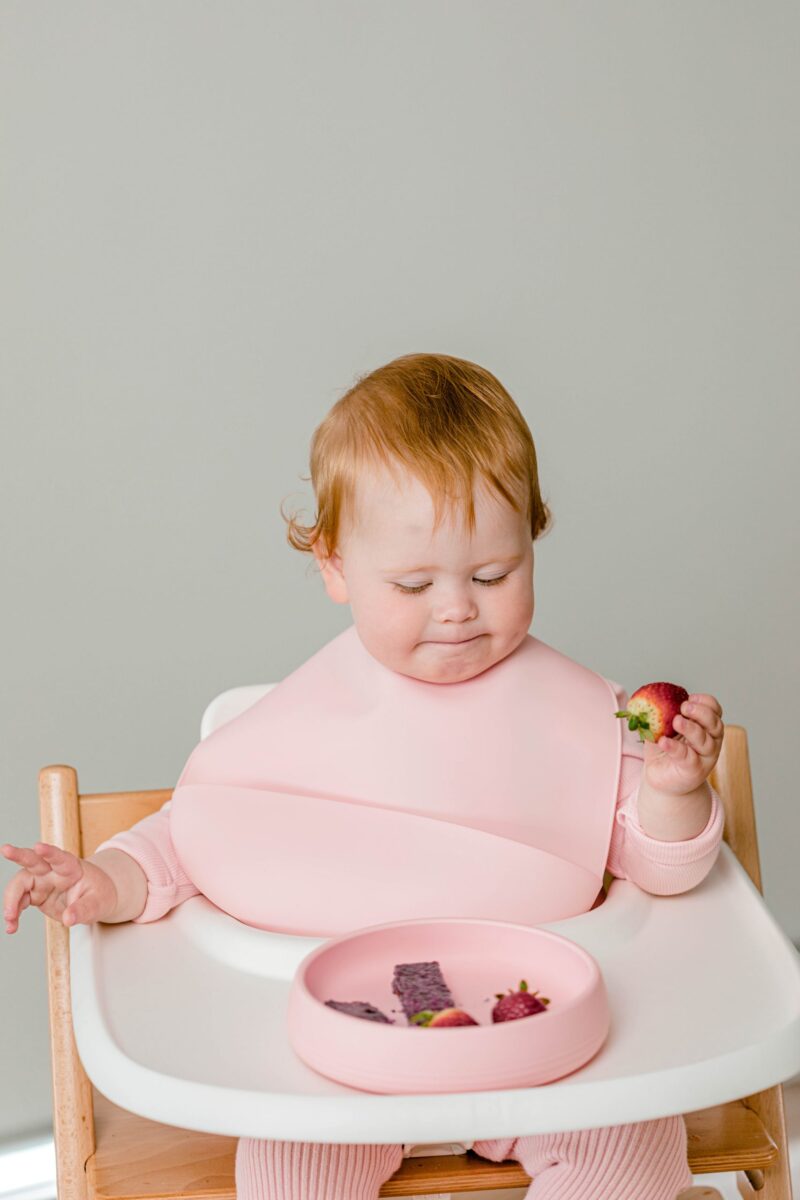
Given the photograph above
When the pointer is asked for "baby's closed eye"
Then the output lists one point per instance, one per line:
(422, 586)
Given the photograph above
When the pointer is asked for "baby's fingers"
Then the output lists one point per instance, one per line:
(24, 856)
(82, 911)
(675, 746)
(60, 861)
(709, 701)
(47, 874)
(40, 860)
(16, 898)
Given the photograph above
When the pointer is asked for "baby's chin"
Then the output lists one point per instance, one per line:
(433, 662)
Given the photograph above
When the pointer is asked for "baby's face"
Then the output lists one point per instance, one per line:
(439, 607)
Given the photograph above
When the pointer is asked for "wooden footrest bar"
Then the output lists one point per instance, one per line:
(138, 1159)
(453, 1173)
(729, 1137)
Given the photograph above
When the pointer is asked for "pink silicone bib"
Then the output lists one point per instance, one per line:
(351, 795)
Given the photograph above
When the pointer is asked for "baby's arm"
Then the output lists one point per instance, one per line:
(130, 883)
(133, 876)
(663, 868)
(155, 878)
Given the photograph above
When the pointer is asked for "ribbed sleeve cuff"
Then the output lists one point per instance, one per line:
(667, 868)
(150, 845)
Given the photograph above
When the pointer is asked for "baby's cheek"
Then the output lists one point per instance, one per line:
(518, 607)
(395, 627)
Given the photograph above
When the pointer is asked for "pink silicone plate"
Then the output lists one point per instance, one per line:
(478, 959)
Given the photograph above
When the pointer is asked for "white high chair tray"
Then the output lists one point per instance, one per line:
(183, 1020)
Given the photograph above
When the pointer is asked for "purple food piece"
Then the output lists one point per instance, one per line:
(359, 1008)
(421, 986)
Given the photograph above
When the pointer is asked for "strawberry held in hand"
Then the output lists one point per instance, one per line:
(682, 737)
(513, 1005)
(651, 709)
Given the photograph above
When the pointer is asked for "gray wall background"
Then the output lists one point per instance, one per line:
(215, 214)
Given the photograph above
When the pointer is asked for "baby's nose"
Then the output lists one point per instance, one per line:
(456, 607)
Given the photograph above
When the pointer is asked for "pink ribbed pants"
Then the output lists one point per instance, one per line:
(643, 1161)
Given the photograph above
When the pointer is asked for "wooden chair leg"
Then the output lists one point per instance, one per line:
(774, 1182)
(73, 1121)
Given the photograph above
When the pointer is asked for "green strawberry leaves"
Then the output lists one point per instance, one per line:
(635, 721)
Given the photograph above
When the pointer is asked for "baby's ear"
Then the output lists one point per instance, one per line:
(330, 567)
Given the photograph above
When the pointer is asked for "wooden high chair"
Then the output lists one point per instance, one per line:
(106, 1153)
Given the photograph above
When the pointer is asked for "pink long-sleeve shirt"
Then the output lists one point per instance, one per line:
(663, 868)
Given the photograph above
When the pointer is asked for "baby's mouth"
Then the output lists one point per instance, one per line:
(461, 642)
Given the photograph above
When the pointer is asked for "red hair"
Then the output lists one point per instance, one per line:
(444, 419)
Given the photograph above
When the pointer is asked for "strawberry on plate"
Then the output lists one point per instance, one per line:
(652, 709)
(443, 1018)
(514, 1005)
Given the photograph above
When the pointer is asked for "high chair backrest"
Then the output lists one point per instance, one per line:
(230, 704)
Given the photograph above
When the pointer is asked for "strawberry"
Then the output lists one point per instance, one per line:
(513, 1005)
(443, 1018)
(652, 708)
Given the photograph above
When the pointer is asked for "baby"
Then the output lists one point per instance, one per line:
(427, 490)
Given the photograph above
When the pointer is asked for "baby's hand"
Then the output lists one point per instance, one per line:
(680, 764)
(67, 889)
